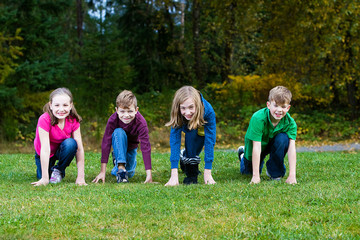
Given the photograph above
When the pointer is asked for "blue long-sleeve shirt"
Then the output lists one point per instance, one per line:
(210, 137)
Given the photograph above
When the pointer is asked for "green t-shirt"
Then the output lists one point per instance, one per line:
(262, 130)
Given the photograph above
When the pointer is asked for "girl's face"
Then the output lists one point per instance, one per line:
(61, 106)
(188, 108)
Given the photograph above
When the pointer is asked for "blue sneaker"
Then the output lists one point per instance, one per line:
(122, 176)
(241, 151)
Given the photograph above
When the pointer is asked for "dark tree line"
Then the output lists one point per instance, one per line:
(96, 48)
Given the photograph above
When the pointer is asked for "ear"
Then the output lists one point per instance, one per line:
(136, 109)
(288, 108)
(50, 105)
(268, 104)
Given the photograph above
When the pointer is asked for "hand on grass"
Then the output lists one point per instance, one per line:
(80, 181)
(101, 177)
(41, 182)
(255, 180)
(208, 179)
(291, 180)
(149, 177)
(174, 179)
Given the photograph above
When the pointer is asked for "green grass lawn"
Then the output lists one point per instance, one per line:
(325, 204)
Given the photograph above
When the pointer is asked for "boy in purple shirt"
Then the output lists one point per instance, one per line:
(124, 130)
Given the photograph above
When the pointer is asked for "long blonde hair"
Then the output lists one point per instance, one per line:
(73, 113)
(181, 95)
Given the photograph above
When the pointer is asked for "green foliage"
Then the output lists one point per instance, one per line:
(156, 107)
(9, 52)
(320, 126)
(323, 205)
(234, 51)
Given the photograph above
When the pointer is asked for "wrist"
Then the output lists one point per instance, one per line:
(174, 172)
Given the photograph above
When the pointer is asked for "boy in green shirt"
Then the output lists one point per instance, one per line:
(271, 131)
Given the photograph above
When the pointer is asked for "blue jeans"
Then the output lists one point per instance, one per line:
(121, 154)
(65, 154)
(194, 143)
(277, 148)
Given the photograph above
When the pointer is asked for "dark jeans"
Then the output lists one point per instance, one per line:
(194, 144)
(277, 148)
(65, 154)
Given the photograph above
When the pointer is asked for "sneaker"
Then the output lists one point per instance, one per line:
(122, 176)
(275, 179)
(182, 164)
(241, 151)
(55, 176)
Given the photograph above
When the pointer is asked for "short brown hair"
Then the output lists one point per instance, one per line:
(280, 94)
(125, 99)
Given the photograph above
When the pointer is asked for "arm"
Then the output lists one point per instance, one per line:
(106, 147)
(80, 158)
(292, 163)
(175, 141)
(148, 176)
(256, 162)
(174, 179)
(210, 139)
(44, 157)
(101, 175)
(208, 179)
(146, 151)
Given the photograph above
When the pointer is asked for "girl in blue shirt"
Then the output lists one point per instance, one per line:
(193, 115)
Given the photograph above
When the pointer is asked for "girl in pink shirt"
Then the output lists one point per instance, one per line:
(58, 137)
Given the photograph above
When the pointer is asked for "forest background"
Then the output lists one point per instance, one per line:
(233, 51)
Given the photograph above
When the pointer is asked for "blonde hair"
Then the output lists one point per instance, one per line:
(125, 99)
(280, 94)
(73, 113)
(181, 95)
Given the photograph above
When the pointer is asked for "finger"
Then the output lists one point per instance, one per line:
(95, 180)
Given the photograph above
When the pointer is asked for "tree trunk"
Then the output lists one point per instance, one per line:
(197, 44)
(79, 22)
(225, 70)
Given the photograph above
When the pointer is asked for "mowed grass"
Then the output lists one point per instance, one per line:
(324, 204)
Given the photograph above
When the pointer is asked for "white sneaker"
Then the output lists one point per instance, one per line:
(55, 176)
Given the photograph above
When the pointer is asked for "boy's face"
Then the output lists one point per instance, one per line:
(277, 111)
(187, 108)
(126, 115)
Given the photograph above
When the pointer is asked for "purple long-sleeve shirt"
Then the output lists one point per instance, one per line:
(136, 131)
